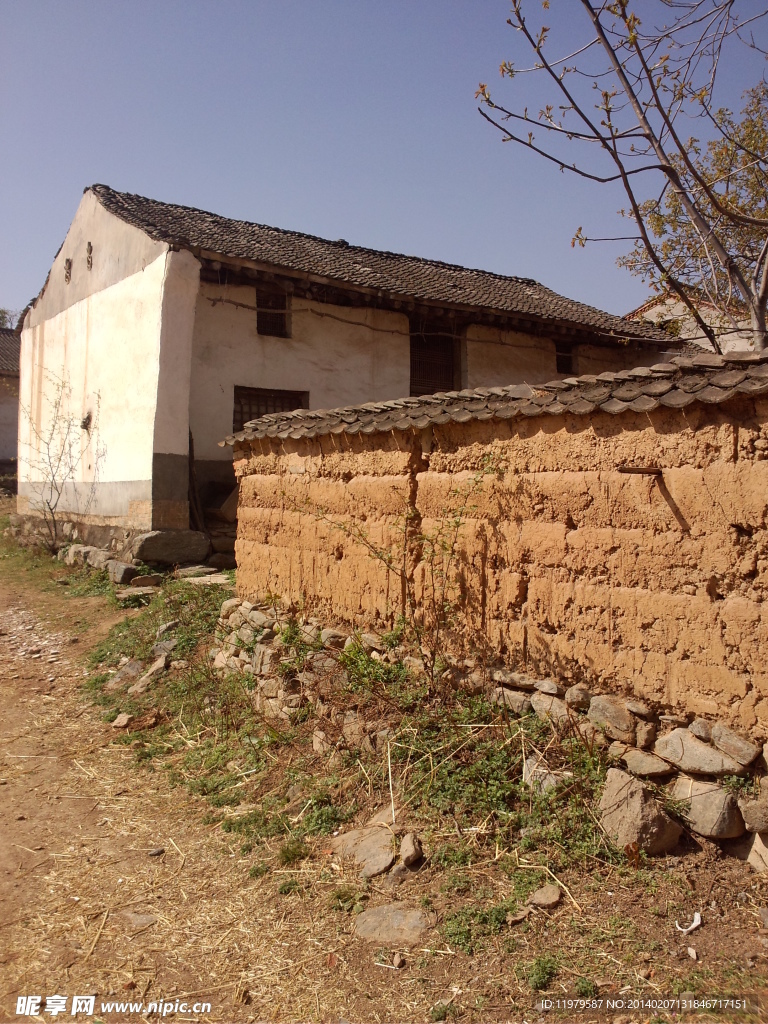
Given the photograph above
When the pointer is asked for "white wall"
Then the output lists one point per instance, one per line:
(340, 355)
(118, 251)
(497, 357)
(102, 354)
(668, 308)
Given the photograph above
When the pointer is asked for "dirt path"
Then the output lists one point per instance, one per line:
(88, 904)
(113, 886)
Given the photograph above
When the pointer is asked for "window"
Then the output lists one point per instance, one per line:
(250, 403)
(272, 312)
(563, 357)
(433, 358)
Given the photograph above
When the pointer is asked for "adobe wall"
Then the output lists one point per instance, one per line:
(567, 567)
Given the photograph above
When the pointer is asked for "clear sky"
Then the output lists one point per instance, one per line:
(347, 119)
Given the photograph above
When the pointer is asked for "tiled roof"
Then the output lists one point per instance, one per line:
(10, 343)
(704, 378)
(395, 274)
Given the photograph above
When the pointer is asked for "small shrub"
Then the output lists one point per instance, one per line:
(541, 972)
(292, 852)
(585, 988)
(258, 870)
(288, 887)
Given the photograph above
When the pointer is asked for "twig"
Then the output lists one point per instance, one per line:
(98, 934)
(391, 793)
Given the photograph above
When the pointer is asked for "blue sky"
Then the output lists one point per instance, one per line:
(342, 118)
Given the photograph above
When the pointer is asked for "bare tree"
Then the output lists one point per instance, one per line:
(620, 101)
(62, 451)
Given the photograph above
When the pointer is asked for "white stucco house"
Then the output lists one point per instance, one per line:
(167, 324)
(10, 343)
(667, 312)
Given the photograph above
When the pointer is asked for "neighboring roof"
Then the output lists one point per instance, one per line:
(393, 273)
(10, 345)
(707, 378)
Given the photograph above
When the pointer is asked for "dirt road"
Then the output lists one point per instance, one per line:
(112, 885)
(116, 886)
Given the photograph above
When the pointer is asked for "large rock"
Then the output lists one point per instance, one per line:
(733, 745)
(630, 814)
(755, 813)
(519, 680)
(125, 675)
(77, 554)
(645, 734)
(757, 856)
(121, 572)
(411, 851)
(98, 558)
(578, 697)
(643, 762)
(546, 898)
(171, 547)
(552, 708)
(549, 686)
(372, 847)
(537, 775)
(392, 925)
(712, 811)
(517, 702)
(611, 715)
(682, 749)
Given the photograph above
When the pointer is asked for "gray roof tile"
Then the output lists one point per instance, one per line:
(430, 281)
(10, 343)
(676, 385)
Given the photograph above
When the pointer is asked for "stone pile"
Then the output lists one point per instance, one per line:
(132, 575)
(710, 774)
(253, 641)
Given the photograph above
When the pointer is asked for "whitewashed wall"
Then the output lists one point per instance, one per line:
(341, 356)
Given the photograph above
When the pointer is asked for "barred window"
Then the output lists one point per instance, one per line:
(251, 403)
(433, 359)
(272, 312)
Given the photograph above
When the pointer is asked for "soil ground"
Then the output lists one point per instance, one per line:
(114, 883)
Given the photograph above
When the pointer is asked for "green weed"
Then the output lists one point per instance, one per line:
(542, 971)
(292, 852)
(291, 885)
(348, 899)
(585, 988)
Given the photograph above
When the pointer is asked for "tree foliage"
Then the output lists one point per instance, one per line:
(635, 104)
(8, 318)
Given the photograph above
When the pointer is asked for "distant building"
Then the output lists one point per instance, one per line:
(10, 342)
(669, 314)
(170, 324)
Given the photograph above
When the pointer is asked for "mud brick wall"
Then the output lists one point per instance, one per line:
(651, 585)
